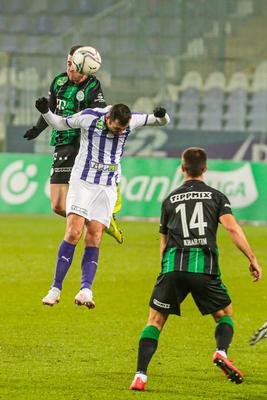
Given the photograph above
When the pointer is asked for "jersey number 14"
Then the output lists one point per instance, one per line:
(196, 221)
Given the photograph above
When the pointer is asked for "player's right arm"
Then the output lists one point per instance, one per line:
(238, 237)
(41, 124)
(163, 229)
(78, 120)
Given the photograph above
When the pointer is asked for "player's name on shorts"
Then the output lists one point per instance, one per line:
(194, 242)
(63, 169)
(190, 196)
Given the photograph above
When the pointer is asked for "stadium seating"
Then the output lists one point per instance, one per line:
(144, 51)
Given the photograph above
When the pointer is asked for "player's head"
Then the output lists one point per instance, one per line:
(118, 118)
(74, 76)
(194, 162)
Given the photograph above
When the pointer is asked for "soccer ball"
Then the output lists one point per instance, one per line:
(86, 60)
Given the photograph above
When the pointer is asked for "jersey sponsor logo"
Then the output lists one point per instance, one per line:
(103, 167)
(62, 81)
(61, 104)
(80, 95)
(160, 304)
(194, 242)
(190, 196)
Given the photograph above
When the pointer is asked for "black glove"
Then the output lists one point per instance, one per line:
(159, 112)
(42, 105)
(31, 133)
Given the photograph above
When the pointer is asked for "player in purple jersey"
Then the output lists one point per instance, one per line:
(70, 92)
(92, 189)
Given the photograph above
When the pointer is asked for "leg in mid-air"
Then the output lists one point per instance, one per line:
(148, 344)
(93, 235)
(113, 230)
(65, 254)
(97, 202)
(58, 194)
(260, 334)
(223, 334)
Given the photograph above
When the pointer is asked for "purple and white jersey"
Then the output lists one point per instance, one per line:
(100, 151)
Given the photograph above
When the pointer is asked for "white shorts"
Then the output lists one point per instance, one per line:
(91, 201)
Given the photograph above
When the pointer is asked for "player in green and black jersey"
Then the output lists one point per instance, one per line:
(189, 221)
(70, 92)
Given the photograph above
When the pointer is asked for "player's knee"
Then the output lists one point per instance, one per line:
(93, 240)
(59, 210)
(73, 235)
(157, 319)
(58, 206)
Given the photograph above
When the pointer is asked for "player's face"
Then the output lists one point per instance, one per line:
(72, 74)
(115, 127)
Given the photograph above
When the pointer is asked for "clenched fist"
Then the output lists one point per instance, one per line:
(159, 112)
(42, 105)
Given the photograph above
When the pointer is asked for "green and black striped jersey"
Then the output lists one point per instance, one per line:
(190, 217)
(67, 98)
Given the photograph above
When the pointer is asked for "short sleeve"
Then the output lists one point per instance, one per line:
(79, 120)
(163, 228)
(225, 205)
(138, 120)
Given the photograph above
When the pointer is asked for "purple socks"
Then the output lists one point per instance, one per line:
(89, 266)
(64, 260)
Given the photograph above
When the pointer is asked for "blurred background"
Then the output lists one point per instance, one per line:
(204, 60)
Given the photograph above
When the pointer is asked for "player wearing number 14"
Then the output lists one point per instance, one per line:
(189, 264)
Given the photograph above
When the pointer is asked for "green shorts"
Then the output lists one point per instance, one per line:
(170, 290)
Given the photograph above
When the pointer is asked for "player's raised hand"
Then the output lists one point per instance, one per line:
(31, 133)
(42, 105)
(159, 112)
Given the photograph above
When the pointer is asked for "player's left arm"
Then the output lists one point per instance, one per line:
(158, 118)
(239, 239)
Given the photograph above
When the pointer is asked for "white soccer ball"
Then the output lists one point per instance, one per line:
(86, 60)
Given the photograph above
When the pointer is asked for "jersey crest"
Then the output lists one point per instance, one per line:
(100, 124)
(61, 81)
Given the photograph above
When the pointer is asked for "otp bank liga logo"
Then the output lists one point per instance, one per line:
(16, 184)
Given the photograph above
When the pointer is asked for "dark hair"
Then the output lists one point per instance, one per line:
(194, 160)
(121, 112)
(74, 48)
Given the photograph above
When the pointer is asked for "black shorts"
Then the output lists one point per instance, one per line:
(63, 160)
(170, 290)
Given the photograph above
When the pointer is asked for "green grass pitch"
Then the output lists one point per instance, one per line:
(68, 352)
